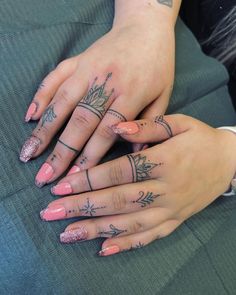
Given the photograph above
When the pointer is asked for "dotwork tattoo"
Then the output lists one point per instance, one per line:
(83, 159)
(96, 98)
(90, 209)
(49, 115)
(117, 115)
(166, 2)
(113, 232)
(146, 198)
(69, 147)
(141, 167)
(53, 157)
(160, 120)
(88, 179)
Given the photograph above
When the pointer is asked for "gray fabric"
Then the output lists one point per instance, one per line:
(197, 259)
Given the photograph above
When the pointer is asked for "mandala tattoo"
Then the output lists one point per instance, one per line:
(146, 198)
(166, 2)
(113, 232)
(96, 98)
(49, 115)
(141, 167)
(160, 120)
(90, 209)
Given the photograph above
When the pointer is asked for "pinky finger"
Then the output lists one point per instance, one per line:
(136, 241)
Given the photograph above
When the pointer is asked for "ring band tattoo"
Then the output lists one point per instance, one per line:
(69, 147)
(96, 98)
(113, 232)
(166, 2)
(117, 115)
(89, 183)
(160, 120)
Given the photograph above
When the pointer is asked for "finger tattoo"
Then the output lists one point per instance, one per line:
(113, 232)
(96, 98)
(90, 209)
(117, 115)
(137, 246)
(49, 115)
(160, 120)
(88, 180)
(69, 147)
(146, 198)
(166, 2)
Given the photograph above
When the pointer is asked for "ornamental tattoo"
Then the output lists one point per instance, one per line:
(137, 246)
(97, 97)
(160, 120)
(113, 232)
(141, 167)
(166, 2)
(49, 115)
(90, 209)
(146, 198)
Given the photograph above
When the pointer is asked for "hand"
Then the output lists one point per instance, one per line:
(146, 196)
(112, 81)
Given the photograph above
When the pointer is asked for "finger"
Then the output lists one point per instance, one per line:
(158, 129)
(136, 241)
(82, 124)
(127, 169)
(48, 88)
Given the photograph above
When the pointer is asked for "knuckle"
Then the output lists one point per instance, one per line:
(106, 132)
(57, 155)
(62, 64)
(80, 120)
(64, 96)
(116, 174)
(119, 200)
(136, 227)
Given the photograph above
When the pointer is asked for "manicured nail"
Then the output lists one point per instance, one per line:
(44, 175)
(31, 111)
(73, 170)
(109, 251)
(54, 212)
(61, 189)
(128, 128)
(146, 146)
(74, 235)
(29, 148)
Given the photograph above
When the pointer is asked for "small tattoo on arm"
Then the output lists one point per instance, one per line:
(90, 209)
(146, 198)
(49, 115)
(69, 147)
(166, 2)
(113, 232)
(160, 120)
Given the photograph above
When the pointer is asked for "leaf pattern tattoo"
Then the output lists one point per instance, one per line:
(49, 115)
(96, 98)
(160, 120)
(113, 232)
(137, 246)
(141, 167)
(166, 2)
(146, 198)
(90, 209)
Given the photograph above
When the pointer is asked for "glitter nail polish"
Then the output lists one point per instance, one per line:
(29, 148)
(74, 235)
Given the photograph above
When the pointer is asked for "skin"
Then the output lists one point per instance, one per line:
(171, 187)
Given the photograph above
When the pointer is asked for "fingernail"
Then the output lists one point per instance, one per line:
(128, 128)
(146, 146)
(29, 148)
(74, 235)
(31, 111)
(73, 170)
(109, 251)
(54, 212)
(61, 189)
(44, 175)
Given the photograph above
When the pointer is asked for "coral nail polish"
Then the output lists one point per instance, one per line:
(74, 235)
(73, 170)
(29, 148)
(31, 111)
(61, 189)
(128, 128)
(54, 212)
(44, 175)
(109, 251)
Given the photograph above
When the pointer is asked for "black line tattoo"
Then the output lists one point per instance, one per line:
(49, 115)
(96, 98)
(141, 167)
(117, 115)
(69, 147)
(90, 209)
(146, 198)
(160, 120)
(88, 179)
(166, 2)
(113, 232)
(137, 246)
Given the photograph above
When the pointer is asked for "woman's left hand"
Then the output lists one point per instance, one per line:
(145, 196)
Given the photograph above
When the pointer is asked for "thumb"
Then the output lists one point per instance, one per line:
(154, 130)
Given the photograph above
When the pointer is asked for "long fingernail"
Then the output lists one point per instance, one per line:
(29, 148)
(128, 128)
(61, 189)
(73, 170)
(44, 175)
(74, 235)
(54, 212)
(109, 251)
(31, 111)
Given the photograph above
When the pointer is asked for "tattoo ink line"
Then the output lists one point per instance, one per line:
(146, 199)
(113, 232)
(168, 3)
(90, 208)
(160, 120)
(117, 115)
(89, 183)
(69, 147)
(49, 115)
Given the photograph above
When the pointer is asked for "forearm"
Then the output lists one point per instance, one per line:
(163, 10)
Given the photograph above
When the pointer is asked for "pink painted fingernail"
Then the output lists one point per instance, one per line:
(54, 212)
(73, 170)
(74, 235)
(61, 189)
(109, 251)
(44, 175)
(128, 128)
(31, 111)
(29, 148)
